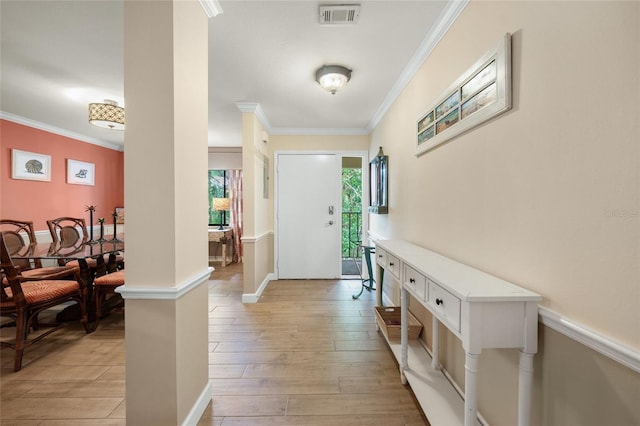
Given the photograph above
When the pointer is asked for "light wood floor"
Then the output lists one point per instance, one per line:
(306, 354)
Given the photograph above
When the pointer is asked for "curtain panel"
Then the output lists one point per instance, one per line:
(235, 221)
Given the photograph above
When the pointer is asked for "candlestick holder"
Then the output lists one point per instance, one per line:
(101, 222)
(115, 239)
(91, 209)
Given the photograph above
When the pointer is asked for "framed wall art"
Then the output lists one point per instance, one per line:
(120, 214)
(30, 166)
(80, 173)
(378, 184)
(481, 93)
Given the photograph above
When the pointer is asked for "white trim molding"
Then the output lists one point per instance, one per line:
(448, 16)
(320, 131)
(623, 354)
(255, 108)
(198, 408)
(254, 297)
(165, 293)
(58, 131)
(256, 238)
(211, 8)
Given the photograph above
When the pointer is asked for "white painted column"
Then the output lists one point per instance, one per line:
(166, 89)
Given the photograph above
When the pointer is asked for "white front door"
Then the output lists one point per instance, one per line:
(308, 216)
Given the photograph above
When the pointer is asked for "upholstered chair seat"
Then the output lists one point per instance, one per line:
(104, 285)
(22, 301)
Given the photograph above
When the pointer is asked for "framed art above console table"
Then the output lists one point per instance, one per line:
(481, 93)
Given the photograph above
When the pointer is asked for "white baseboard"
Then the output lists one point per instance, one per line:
(198, 408)
(254, 297)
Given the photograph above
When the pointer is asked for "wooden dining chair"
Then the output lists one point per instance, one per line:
(103, 286)
(18, 236)
(23, 301)
(68, 232)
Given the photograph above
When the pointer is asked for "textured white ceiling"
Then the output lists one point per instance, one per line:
(57, 56)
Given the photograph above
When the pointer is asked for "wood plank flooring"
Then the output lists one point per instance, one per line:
(305, 354)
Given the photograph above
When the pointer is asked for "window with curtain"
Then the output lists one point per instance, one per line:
(218, 188)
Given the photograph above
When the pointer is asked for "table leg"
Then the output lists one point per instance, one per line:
(379, 282)
(404, 334)
(74, 312)
(224, 253)
(470, 389)
(525, 384)
(435, 344)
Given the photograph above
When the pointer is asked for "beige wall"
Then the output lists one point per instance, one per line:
(319, 143)
(258, 210)
(545, 196)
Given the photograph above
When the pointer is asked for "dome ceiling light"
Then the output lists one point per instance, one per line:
(333, 77)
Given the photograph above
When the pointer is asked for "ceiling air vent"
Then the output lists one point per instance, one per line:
(339, 14)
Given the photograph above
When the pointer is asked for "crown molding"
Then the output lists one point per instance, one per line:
(319, 131)
(443, 23)
(58, 131)
(255, 108)
(211, 8)
(225, 149)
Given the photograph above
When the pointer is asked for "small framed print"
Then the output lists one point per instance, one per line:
(30, 166)
(119, 214)
(80, 173)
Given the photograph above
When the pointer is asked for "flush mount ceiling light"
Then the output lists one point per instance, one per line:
(333, 77)
(107, 115)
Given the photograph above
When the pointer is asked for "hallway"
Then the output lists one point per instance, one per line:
(306, 354)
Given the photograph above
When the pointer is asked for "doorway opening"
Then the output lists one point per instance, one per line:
(351, 217)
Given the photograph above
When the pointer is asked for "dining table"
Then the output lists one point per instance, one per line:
(81, 251)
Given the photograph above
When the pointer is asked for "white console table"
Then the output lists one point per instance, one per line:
(481, 310)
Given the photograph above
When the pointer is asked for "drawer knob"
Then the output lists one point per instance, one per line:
(391, 263)
(411, 280)
(439, 301)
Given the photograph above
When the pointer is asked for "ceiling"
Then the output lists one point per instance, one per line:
(58, 56)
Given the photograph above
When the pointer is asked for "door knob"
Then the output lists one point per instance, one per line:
(330, 222)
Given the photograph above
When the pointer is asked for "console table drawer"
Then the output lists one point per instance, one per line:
(444, 305)
(415, 282)
(381, 257)
(393, 265)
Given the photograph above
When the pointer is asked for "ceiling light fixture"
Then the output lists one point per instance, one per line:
(107, 115)
(333, 77)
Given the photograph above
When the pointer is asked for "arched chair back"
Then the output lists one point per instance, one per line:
(68, 230)
(18, 236)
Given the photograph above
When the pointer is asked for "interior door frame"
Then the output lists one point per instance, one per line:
(365, 194)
